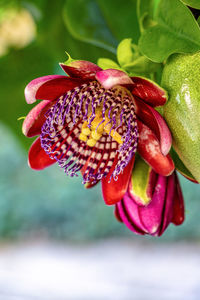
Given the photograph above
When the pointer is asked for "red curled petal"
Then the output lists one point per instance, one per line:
(149, 149)
(111, 77)
(114, 190)
(117, 214)
(33, 86)
(37, 157)
(155, 122)
(81, 69)
(149, 91)
(168, 207)
(178, 204)
(50, 87)
(35, 119)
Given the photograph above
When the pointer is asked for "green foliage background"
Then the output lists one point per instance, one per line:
(48, 202)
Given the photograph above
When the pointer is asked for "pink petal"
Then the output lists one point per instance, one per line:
(151, 215)
(49, 87)
(126, 220)
(111, 77)
(132, 210)
(178, 204)
(149, 149)
(149, 91)
(150, 117)
(114, 190)
(35, 119)
(168, 208)
(37, 157)
(81, 69)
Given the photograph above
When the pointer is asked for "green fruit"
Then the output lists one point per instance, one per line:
(181, 78)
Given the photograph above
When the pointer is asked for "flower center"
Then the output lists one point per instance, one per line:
(91, 134)
(88, 128)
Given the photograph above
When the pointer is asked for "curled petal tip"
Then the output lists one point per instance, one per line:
(33, 86)
(35, 119)
(111, 77)
(149, 91)
(80, 69)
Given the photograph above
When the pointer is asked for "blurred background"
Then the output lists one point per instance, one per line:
(57, 239)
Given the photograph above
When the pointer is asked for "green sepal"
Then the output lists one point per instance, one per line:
(140, 181)
(69, 60)
(106, 63)
(126, 52)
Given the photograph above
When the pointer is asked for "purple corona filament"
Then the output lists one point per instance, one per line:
(63, 125)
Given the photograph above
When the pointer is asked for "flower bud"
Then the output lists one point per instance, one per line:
(151, 204)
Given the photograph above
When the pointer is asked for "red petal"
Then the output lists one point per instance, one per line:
(35, 119)
(31, 89)
(149, 91)
(117, 214)
(155, 122)
(168, 208)
(114, 191)
(53, 89)
(178, 204)
(81, 69)
(49, 87)
(149, 149)
(37, 157)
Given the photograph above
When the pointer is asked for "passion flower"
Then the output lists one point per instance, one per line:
(151, 202)
(93, 121)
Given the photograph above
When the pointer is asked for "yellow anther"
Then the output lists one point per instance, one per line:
(85, 124)
(115, 135)
(83, 137)
(86, 131)
(95, 135)
(91, 142)
(91, 136)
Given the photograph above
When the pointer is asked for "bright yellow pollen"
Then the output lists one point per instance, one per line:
(83, 137)
(86, 131)
(95, 135)
(91, 142)
(91, 136)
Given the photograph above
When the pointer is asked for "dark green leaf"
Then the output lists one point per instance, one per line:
(176, 31)
(192, 3)
(100, 22)
(145, 13)
(85, 22)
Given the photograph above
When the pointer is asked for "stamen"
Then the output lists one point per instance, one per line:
(87, 127)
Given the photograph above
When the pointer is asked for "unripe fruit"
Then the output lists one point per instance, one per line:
(181, 79)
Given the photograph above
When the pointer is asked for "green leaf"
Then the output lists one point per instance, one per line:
(171, 34)
(145, 13)
(192, 3)
(85, 22)
(100, 22)
(126, 52)
(142, 65)
(106, 63)
(179, 165)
